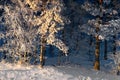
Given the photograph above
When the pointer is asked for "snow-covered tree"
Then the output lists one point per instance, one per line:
(28, 22)
(106, 23)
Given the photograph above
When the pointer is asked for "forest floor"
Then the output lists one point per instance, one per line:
(68, 70)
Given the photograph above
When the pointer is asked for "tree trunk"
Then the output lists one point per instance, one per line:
(97, 49)
(42, 51)
(90, 51)
(105, 51)
(59, 58)
(97, 54)
(114, 44)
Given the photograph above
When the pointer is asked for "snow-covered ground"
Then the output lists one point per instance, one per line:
(68, 70)
(54, 73)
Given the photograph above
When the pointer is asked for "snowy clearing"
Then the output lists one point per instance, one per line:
(66, 72)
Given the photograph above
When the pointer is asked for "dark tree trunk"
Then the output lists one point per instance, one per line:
(114, 44)
(105, 51)
(97, 49)
(90, 44)
(59, 58)
(42, 51)
(97, 54)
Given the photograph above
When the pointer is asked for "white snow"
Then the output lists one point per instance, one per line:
(69, 71)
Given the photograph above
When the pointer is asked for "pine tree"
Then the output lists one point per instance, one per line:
(26, 20)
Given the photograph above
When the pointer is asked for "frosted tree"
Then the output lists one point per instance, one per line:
(101, 28)
(96, 25)
(20, 35)
(30, 24)
(51, 22)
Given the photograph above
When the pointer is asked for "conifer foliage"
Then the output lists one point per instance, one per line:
(27, 22)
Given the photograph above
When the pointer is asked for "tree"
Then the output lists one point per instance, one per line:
(106, 28)
(95, 32)
(28, 22)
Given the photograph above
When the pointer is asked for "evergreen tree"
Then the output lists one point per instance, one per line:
(27, 21)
